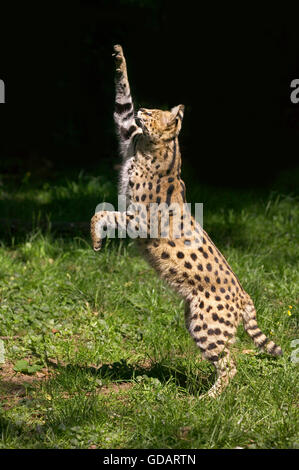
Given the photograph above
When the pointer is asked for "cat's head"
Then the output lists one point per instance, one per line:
(160, 125)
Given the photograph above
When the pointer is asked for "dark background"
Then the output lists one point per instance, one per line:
(230, 65)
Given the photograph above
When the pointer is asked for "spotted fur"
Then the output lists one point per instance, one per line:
(151, 173)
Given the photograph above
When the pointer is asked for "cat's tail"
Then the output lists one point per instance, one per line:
(257, 336)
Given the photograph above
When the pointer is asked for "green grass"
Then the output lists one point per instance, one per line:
(112, 363)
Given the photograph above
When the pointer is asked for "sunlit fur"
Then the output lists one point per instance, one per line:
(160, 125)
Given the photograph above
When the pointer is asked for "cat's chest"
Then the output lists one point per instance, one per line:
(132, 177)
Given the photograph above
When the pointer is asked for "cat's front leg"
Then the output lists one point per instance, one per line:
(101, 224)
(124, 109)
(105, 223)
(122, 87)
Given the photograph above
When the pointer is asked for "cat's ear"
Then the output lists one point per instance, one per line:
(178, 114)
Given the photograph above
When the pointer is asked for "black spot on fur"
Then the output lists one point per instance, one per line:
(121, 108)
(214, 358)
(169, 193)
(203, 339)
(126, 134)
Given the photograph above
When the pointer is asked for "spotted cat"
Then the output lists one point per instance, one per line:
(181, 252)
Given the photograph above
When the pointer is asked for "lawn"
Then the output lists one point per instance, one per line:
(96, 354)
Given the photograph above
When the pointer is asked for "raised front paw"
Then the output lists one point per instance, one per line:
(120, 61)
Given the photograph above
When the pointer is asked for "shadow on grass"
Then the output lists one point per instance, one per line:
(77, 404)
(121, 371)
